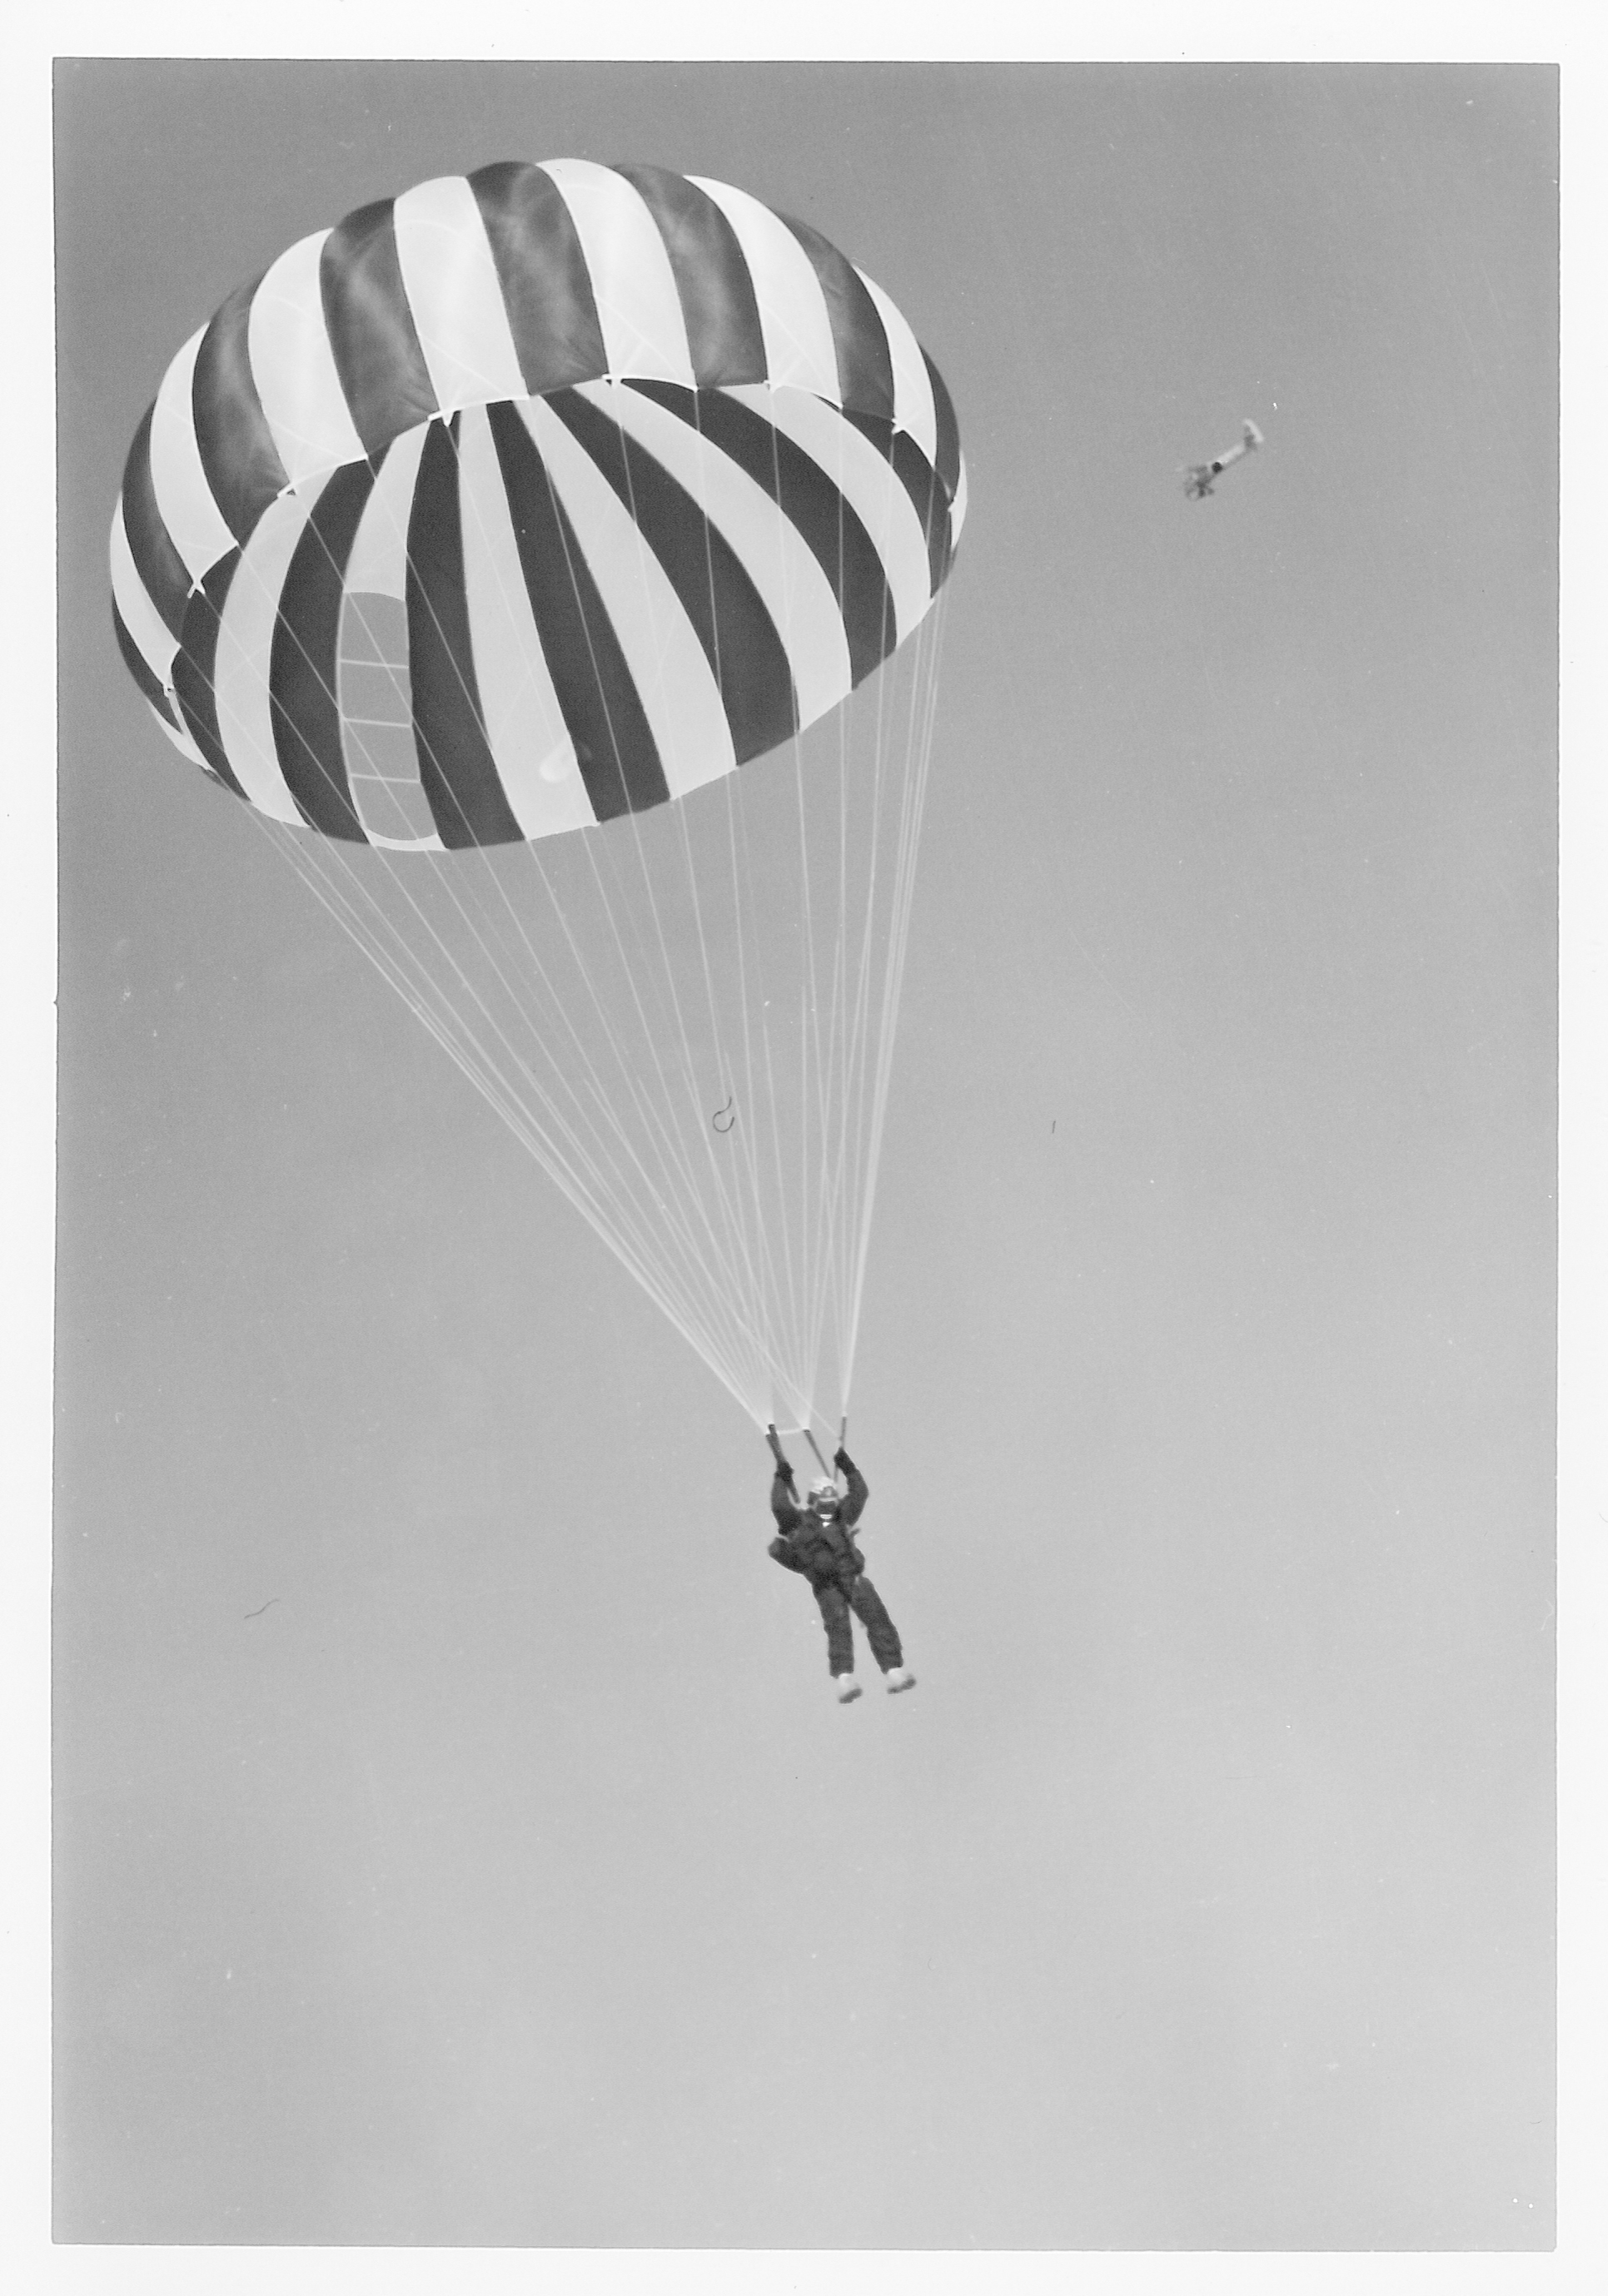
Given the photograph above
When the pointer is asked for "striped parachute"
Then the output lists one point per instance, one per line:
(468, 536)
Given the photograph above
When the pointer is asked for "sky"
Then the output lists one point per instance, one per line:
(456, 1839)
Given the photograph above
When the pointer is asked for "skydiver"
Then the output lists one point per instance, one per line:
(1197, 483)
(817, 1541)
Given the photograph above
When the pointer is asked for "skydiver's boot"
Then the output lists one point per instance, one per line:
(900, 1677)
(847, 1688)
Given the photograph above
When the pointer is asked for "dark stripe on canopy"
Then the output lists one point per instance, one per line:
(715, 592)
(801, 489)
(614, 744)
(546, 286)
(157, 562)
(920, 482)
(712, 278)
(195, 663)
(864, 363)
(237, 449)
(931, 503)
(455, 765)
(948, 456)
(370, 324)
(149, 685)
(302, 691)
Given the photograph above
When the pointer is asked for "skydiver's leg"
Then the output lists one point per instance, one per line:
(840, 1634)
(881, 1632)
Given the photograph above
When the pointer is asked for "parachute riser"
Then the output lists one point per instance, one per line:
(775, 1440)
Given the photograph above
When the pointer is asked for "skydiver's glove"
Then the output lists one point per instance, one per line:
(842, 1460)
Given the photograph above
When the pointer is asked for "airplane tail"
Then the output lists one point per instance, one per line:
(1253, 437)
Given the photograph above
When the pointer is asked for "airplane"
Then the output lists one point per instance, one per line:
(1197, 485)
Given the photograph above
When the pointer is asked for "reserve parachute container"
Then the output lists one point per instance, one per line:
(514, 550)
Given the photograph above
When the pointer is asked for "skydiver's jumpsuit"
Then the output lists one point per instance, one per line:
(827, 1556)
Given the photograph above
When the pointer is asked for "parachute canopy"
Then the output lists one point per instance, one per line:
(522, 504)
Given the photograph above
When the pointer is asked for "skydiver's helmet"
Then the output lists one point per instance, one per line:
(823, 1498)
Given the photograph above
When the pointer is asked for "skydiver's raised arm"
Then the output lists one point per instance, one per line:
(783, 1499)
(784, 1490)
(857, 1493)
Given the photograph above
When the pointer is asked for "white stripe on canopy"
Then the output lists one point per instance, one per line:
(800, 347)
(294, 368)
(378, 563)
(189, 510)
(633, 286)
(457, 307)
(913, 406)
(958, 508)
